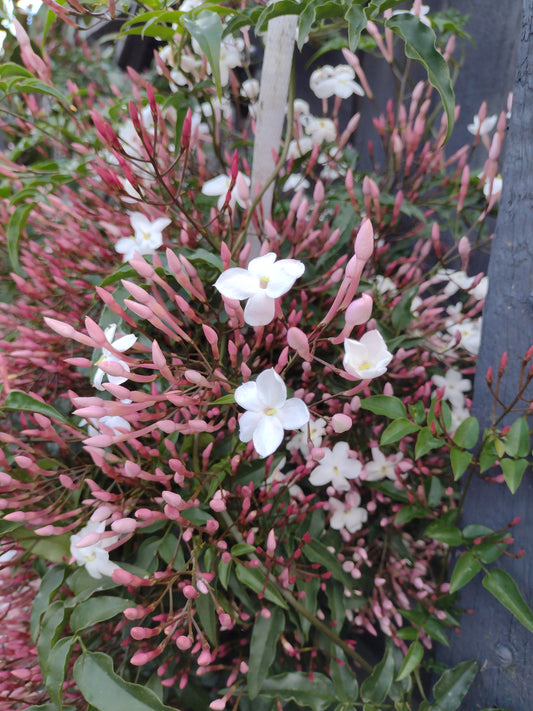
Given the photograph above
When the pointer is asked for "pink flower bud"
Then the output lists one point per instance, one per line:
(183, 643)
(298, 341)
(190, 592)
(364, 242)
(359, 311)
(124, 525)
(341, 423)
(217, 705)
(271, 543)
(204, 658)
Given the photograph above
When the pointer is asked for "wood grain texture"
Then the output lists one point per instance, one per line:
(502, 646)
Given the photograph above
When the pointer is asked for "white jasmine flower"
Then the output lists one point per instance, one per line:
(424, 9)
(220, 186)
(460, 280)
(384, 284)
(321, 130)
(382, 467)
(336, 468)
(122, 344)
(470, 330)
(295, 182)
(492, 188)
(250, 89)
(459, 414)
(313, 431)
(147, 237)
(230, 56)
(334, 81)
(367, 358)
(117, 424)
(301, 108)
(261, 283)
(348, 514)
(485, 127)
(299, 147)
(94, 557)
(455, 386)
(268, 412)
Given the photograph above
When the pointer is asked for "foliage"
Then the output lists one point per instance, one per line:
(169, 565)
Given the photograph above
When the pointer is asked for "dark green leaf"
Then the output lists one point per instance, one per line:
(444, 532)
(207, 616)
(255, 579)
(460, 461)
(106, 691)
(420, 45)
(241, 549)
(386, 405)
(356, 19)
(50, 584)
(412, 660)
(467, 433)
(408, 513)
(57, 664)
(398, 429)
(517, 439)
(317, 552)
(401, 315)
(465, 569)
(344, 680)
(19, 401)
(513, 471)
(434, 490)
(453, 685)
(52, 624)
(97, 609)
(377, 685)
(306, 21)
(14, 229)
(207, 29)
(476, 530)
(436, 631)
(224, 570)
(265, 635)
(298, 687)
(425, 442)
(506, 591)
(198, 517)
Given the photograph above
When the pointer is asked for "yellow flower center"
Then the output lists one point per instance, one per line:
(263, 283)
(270, 411)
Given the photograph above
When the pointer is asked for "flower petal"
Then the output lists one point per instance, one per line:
(248, 423)
(260, 309)
(268, 435)
(271, 390)
(217, 186)
(124, 342)
(283, 275)
(237, 283)
(294, 414)
(140, 222)
(246, 396)
(262, 266)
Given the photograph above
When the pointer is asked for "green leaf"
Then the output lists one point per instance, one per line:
(386, 405)
(198, 517)
(224, 571)
(106, 691)
(255, 579)
(433, 489)
(401, 315)
(398, 429)
(453, 685)
(97, 609)
(57, 664)
(467, 433)
(420, 45)
(506, 591)
(344, 680)
(306, 21)
(436, 631)
(208, 619)
(412, 659)
(513, 471)
(377, 685)
(14, 229)
(356, 19)
(19, 401)
(517, 439)
(425, 442)
(206, 28)
(265, 635)
(50, 584)
(460, 461)
(445, 532)
(316, 552)
(476, 530)
(241, 549)
(52, 624)
(465, 569)
(298, 687)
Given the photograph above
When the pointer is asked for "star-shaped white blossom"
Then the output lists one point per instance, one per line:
(220, 185)
(147, 237)
(334, 81)
(367, 358)
(268, 412)
(382, 467)
(455, 387)
(313, 431)
(122, 344)
(261, 283)
(347, 514)
(336, 468)
(482, 127)
(94, 556)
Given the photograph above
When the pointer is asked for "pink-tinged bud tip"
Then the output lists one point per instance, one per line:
(364, 242)
(341, 423)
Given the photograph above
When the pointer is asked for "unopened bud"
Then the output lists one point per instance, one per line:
(341, 423)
